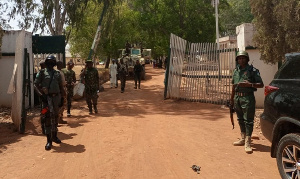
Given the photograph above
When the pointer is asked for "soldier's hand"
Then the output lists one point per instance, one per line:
(244, 84)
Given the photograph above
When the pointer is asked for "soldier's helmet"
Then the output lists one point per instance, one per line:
(242, 53)
(51, 59)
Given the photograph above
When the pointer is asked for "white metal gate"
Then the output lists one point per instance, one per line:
(199, 72)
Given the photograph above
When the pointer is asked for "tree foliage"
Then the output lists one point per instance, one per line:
(277, 24)
(234, 13)
(149, 23)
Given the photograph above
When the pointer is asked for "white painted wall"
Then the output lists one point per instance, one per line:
(15, 42)
(244, 39)
(6, 70)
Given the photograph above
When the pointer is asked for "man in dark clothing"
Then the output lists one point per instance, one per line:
(138, 68)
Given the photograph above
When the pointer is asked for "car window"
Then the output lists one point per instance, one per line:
(289, 70)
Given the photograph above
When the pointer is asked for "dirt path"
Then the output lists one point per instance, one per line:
(137, 135)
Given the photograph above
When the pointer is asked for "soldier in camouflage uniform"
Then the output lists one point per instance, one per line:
(70, 81)
(90, 78)
(122, 71)
(48, 84)
(246, 79)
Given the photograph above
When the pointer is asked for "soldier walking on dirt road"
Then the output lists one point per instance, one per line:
(70, 82)
(48, 84)
(246, 79)
(138, 68)
(122, 74)
(90, 78)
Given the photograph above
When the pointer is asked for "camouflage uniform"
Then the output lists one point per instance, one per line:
(91, 81)
(122, 75)
(70, 80)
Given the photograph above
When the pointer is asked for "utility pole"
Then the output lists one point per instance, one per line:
(98, 33)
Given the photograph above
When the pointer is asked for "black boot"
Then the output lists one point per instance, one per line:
(55, 138)
(95, 109)
(49, 142)
(90, 108)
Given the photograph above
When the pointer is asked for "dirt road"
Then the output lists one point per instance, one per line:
(137, 135)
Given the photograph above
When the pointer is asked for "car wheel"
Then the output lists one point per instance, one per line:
(288, 156)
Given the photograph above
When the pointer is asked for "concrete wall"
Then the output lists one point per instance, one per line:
(6, 70)
(244, 41)
(15, 42)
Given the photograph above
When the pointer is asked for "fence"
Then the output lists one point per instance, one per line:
(199, 71)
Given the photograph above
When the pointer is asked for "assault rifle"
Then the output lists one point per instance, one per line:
(231, 110)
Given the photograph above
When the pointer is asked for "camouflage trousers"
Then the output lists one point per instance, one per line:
(91, 99)
(123, 82)
(69, 99)
(49, 123)
(61, 109)
(245, 110)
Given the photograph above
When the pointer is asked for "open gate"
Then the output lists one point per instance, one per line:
(199, 71)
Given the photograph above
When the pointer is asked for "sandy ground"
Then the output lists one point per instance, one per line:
(136, 135)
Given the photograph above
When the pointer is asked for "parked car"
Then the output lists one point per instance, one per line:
(280, 121)
(101, 63)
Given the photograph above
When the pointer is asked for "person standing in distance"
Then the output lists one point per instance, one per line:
(137, 69)
(70, 82)
(246, 79)
(48, 84)
(122, 74)
(90, 79)
(113, 74)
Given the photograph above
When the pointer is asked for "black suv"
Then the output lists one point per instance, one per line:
(280, 121)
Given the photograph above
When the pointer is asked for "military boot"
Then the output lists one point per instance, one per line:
(241, 141)
(69, 111)
(248, 148)
(90, 109)
(49, 142)
(95, 109)
(55, 138)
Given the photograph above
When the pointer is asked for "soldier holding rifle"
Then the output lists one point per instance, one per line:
(48, 84)
(246, 79)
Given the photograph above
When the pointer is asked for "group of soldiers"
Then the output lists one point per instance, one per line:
(55, 89)
(56, 86)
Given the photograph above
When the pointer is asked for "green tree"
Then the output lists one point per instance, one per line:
(277, 24)
(234, 13)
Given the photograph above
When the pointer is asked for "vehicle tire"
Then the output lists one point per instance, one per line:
(288, 156)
